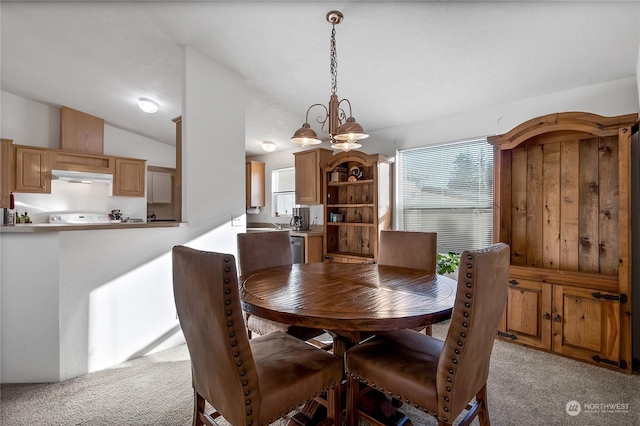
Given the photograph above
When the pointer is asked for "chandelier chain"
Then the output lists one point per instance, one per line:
(334, 61)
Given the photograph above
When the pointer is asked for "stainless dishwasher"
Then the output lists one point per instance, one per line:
(297, 247)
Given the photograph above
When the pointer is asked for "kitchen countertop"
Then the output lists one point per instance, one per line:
(56, 227)
(291, 231)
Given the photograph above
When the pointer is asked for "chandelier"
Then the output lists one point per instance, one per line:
(344, 132)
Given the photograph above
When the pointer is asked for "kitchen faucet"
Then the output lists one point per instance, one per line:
(277, 225)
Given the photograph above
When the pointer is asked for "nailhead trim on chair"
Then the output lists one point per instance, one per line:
(466, 314)
(463, 335)
(232, 334)
(227, 291)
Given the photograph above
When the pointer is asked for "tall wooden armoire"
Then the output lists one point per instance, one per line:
(562, 201)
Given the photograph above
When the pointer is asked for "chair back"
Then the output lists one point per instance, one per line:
(463, 366)
(407, 249)
(205, 287)
(259, 250)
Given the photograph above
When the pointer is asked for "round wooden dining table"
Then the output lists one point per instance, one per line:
(351, 301)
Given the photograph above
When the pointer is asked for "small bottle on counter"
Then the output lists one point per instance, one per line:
(26, 218)
(18, 219)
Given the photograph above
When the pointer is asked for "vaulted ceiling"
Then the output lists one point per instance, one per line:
(398, 62)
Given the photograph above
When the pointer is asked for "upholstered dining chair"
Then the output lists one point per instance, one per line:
(248, 382)
(441, 378)
(259, 250)
(409, 249)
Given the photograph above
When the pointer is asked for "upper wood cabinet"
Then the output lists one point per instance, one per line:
(308, 165)
(5, 172)
(129, 177)
(80, 132)
(562, 201)
(255, 181)
(32, 172)
(356, 210)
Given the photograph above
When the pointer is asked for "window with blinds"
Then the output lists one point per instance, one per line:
(447, 189)
(283, 190)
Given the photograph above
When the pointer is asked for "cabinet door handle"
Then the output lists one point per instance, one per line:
(546, 316)
(557, 318)
(513, 282)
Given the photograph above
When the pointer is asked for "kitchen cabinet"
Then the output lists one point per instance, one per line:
(78, 162)
(5, 172)
(32, 173)
(308, 166)
(81, 132)
(159, 187)
(129, 177)
(356, 210)
(255, 183)
(562, 203)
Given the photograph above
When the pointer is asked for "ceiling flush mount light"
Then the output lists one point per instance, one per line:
(148, 105)
(269, 146)
(344, 132)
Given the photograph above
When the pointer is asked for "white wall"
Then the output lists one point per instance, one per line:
(79, 301)
(608, 99)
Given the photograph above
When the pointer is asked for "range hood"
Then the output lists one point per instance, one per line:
(82, 177)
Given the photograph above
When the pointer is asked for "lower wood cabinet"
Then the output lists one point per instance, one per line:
(586, 324)
(527, 317)
(579, 322)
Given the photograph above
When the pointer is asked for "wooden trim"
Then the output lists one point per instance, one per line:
(624, 244)
(161, 169)
(592, 124)
(569, 278)
(360, 157)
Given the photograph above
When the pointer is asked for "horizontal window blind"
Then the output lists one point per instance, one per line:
(283, 187)
(447, 189)
(283, 180)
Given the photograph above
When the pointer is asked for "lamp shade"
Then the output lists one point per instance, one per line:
(346, 145)
(350, 131)
(305, 136)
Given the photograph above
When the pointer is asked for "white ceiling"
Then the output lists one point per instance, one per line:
(398, 62)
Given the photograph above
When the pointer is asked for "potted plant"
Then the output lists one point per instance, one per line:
(447, 264)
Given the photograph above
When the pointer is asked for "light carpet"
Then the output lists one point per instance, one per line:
(525, 387)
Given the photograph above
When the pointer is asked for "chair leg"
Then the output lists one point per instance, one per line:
(353, 388)
(483, 413)
(198, 409)
(427, 330)
(334, 404)
(246, 323)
